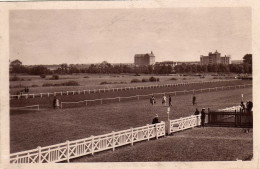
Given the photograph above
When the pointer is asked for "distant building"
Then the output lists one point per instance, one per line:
(189, 63)
(166, 63)
(144, 59)
(214, 58)
(236, 62)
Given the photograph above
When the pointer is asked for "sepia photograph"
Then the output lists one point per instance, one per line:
(168, 84)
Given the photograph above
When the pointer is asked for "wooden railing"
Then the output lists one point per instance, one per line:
(91, 145)
(61, 93)
(138, 97)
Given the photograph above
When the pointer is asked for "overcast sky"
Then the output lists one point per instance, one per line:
(116, 35)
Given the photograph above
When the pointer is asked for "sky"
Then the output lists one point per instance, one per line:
(116, 35)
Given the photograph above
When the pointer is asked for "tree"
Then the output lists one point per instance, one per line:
(247, 59)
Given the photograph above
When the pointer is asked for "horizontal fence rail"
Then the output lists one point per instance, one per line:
(138, 97)
(33, 107)
(61, 93)
(72, 149)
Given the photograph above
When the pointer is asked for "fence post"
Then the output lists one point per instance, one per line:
(67, 92)
(113, 140)
(48, 94)
(38, 107)
(148, 135)
(41, 95)
(33, 95)
(73, 92)
(92, 145)
(119, 99)
(79, 92)
(88, 91)
(84, 91)
(132, 136)
(61, 93)
(156, 132)
(101, 100)
(39, 154)
(86, 102)
(68, 151)
(54, 93)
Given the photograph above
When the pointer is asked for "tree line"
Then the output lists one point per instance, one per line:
(105, 67)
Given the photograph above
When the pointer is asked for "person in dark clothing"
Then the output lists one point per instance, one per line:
(203, 115)
(194, 99)
(54, 103)
(242, 106)
(155, 120)
(197, 112)
(249, 106)
(170, 100)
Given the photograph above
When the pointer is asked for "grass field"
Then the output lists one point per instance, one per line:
(197, 144)
(46, 102)
(47, 127)
(93, 81)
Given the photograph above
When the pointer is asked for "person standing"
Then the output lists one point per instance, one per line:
(242, 107)
(54, 103)
(203, 115)
(57, 103)
(164, 100)
(170, 101)
(155, 119)
(197, 112)
(194, 99)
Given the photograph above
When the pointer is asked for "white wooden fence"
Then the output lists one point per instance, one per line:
(91, 145)
(61, 93)
(138, 97)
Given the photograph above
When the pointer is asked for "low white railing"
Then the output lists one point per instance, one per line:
(231, 109)
(26, 107)
(91, 145)
(34, 95)
(183, 123)
(138, 97)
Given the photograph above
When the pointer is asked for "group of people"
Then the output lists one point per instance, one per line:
(56, 103)
(246, 108)
(164, 100)
(202, 117)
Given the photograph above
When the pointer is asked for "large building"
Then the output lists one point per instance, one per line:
(214, 58)
(144, 59)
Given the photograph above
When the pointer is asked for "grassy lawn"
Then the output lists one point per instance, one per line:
(93, 81)
(46, 102)
(47, 127)
(197, 144)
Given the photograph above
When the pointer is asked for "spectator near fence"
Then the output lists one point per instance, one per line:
(242, 107)
(203, 115)
(197, 112)
(155, 119)
(194, 100)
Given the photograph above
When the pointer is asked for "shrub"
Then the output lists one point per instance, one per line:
(102, 83)
(29, 79)
(135, 81)
(15, 78)
(145, 80)
(153, 79)
(70, 83)
(173, 78)
(86, 77)
(55, 77)
(136, 74)
(34, 85)
(43, 76)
